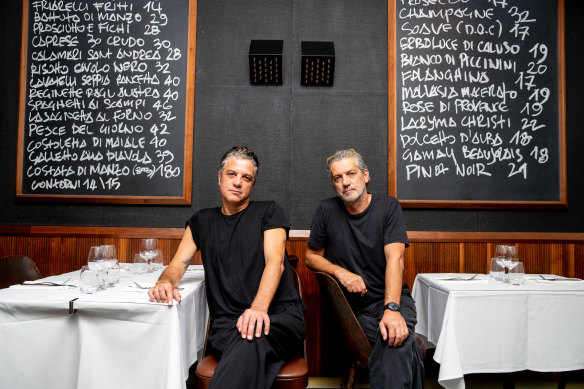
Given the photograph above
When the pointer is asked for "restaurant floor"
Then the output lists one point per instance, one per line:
(522, 380)
(472, 382)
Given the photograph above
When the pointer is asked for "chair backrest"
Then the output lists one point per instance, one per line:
(357, 342)
(296, 280)
(15, 269)
(298, 286)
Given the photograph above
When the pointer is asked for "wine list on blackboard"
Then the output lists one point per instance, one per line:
(477, 100)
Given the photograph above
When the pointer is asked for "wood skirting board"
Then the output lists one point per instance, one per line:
(59, 249)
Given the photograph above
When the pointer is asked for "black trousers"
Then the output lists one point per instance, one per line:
(254, 363)
(393, 367)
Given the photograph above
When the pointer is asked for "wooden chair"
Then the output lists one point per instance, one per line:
(293, 375)
(356, 341)
(15, 269)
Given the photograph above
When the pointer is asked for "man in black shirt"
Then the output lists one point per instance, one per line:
(360, 239)
(257, 316)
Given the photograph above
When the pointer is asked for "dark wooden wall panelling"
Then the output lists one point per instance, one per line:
(62, 249)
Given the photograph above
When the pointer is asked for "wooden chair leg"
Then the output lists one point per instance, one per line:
(350, 381)
(562, 380)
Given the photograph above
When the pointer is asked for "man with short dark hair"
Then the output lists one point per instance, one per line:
(257, 316)
(360, 239)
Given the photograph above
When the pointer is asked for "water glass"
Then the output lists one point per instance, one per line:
(140, 264)
(89, 279)
(93, 257)
(497, 269)
(517, 274)
(156, 262)
(112, 275)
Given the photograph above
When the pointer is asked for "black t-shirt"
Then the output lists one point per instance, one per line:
(232, 250)
(356, 242)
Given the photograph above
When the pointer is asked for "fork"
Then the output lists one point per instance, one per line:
(460, 278)
(50, 283)
(559, 279)
(149, 287)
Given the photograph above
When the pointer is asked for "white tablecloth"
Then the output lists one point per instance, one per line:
(486, 326)
(116, 338)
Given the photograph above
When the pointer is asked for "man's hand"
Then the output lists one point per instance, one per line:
(253, 319)
(353, 282)
(393, 328)
(164, 292)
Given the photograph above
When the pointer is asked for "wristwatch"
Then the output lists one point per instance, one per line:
(392, 306)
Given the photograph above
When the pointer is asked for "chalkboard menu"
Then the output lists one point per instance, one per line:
(106, 104)
(479, 103)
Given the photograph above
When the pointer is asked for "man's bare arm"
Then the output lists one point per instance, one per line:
(316, 261)
(165, 288)
(392, 325)
(256, 317)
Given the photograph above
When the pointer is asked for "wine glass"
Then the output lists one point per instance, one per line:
(110, 260)
(109, 254)
(140, 264)
(96, 263)
(496, 270)
(148, 248)
(501, 254)
(512, 258)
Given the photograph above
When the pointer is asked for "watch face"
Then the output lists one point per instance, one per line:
(392, 306)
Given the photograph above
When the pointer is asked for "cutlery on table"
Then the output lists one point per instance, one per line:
(559, 279)
(146, 287)
(459, 278)
(49, 283)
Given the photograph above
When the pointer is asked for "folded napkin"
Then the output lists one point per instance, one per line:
(125, 267)
(195, 268)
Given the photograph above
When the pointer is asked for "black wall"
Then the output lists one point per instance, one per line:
(291, 128)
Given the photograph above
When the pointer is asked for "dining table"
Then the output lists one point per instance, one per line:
(481, 325)
(52, 335)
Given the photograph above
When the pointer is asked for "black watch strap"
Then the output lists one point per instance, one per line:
(392, 306)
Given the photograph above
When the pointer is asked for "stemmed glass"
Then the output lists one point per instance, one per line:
(148, 248)
(511, 260)
(506, 257)
(109, 254)
(111, 264)
(500, 255)
(95, 263)
(140, 264)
